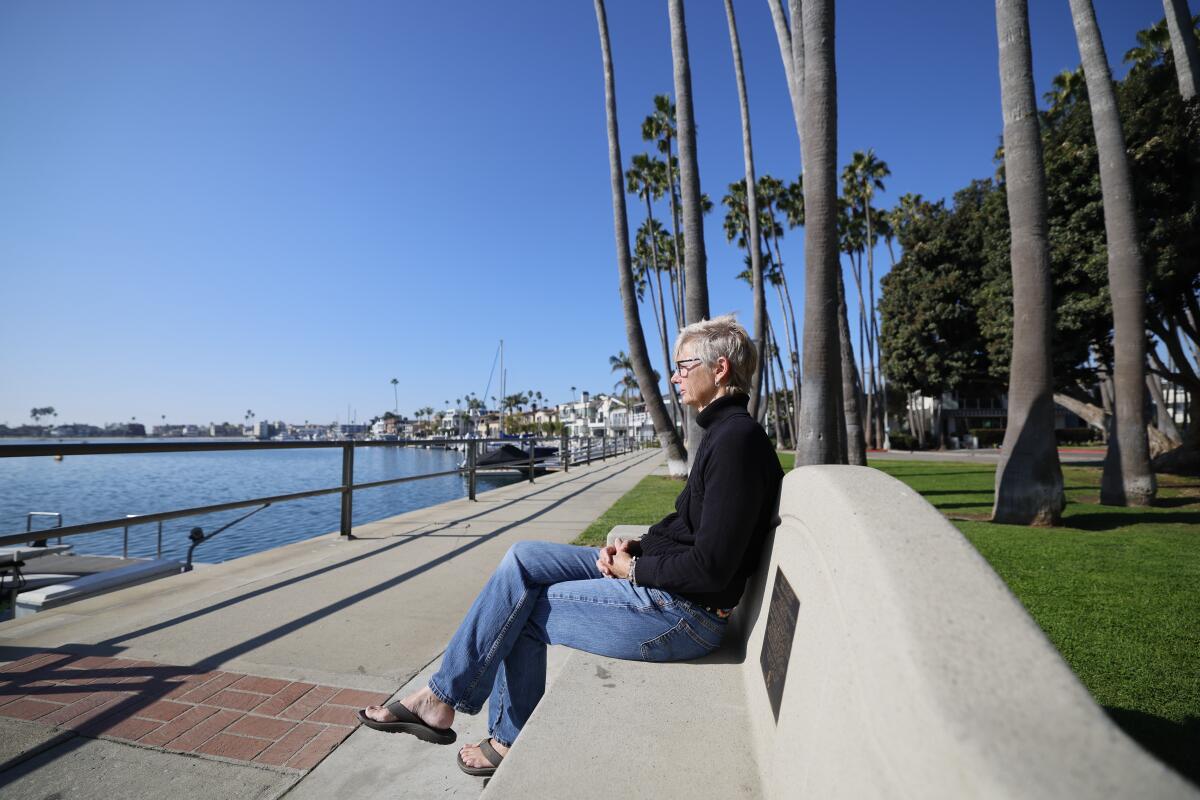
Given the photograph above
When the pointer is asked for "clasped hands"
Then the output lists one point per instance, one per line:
(614, 558)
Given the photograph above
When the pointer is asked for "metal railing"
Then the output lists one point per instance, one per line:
(572, 451)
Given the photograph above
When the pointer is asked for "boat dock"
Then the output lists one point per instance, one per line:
(241, 679)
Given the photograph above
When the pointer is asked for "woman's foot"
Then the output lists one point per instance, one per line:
(472, 756)
(424, 703)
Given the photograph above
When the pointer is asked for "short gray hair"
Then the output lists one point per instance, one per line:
(723, 336)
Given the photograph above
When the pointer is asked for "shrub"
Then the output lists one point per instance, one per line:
(988, 437)
(1076, 435)
(902, 441)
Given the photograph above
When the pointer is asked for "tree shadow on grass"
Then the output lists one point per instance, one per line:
(944, 506)
(951, 492)
(1176, 502)
(1174, 743)
(1111, 520)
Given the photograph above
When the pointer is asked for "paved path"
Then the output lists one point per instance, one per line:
(240, 679)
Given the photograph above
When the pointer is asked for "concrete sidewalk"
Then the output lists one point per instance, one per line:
(239, 679)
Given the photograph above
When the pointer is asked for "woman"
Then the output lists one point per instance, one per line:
(674, 590)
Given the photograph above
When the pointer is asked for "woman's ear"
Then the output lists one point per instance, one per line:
(722, 370)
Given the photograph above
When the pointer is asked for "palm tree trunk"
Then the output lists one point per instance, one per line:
(875, 418)
(668, 367)
(677, 285)
(1162, 415)
(816, 438)
(667, 435)
(1127, 479)
(694, 256)
(856, 446)
(880, 388)
(1029, 485)
(865, 400)
(789, 327)
(1183, 47)
(791, 52)
(756, 268)
(695, 261)
(781, 387)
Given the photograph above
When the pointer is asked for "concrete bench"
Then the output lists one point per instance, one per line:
(912, 672)
(45, 597)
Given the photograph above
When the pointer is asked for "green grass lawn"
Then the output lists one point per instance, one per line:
(1117, 590)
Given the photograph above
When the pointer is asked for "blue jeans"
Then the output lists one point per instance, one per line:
(544, 593)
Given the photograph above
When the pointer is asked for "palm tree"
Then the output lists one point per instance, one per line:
(817, 440)
(659, 127)
(1067, 87)
(621, 363)
(1127, 478)
(861, 177)
(395, 396)
(640, 358)
(756, 269)
(773, 193)
(695, 262)
(1183, 46)
(648, 178)
(1029, 486)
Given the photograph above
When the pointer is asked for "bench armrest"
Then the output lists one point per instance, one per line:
(631, 532)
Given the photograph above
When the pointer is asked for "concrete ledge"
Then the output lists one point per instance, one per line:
(913, 672)
(626, 532)
(608, 728)
(56, 594)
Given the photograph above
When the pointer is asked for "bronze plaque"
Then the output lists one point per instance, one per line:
(777, 641)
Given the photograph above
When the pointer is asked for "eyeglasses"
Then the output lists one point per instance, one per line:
(687, 365)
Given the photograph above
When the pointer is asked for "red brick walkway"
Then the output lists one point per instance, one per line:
(246, 718)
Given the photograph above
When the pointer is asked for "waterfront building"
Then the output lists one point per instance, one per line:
(453, 424)
(351, 430)
(487, 425)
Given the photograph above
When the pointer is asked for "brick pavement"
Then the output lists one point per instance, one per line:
(245, 718)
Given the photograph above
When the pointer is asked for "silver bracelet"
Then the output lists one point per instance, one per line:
(632, 567)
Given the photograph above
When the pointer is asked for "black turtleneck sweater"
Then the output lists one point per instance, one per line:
(711, 544)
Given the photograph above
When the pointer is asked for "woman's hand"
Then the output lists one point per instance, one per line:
(605, 561)
(620, 564)
(620, 550)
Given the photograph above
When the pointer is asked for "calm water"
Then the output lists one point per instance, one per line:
(91, 488)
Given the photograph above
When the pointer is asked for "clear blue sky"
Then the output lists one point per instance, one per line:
(213, 206)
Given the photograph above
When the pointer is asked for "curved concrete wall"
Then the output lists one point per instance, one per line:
(914, 672)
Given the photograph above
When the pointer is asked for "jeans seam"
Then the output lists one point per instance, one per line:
(619, 604)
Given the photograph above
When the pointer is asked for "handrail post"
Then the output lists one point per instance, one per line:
(532, 453)
(472, 444)
(588, 441)
(564, 450)
(347, 490)
(159, 555)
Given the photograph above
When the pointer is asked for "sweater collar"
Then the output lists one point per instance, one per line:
(721, 408)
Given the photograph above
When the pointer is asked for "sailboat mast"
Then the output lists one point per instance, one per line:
(501, 388)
